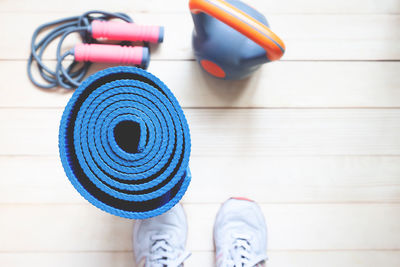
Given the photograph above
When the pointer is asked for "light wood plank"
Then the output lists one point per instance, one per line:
(282, 179)
(62, 259)
(236, 132)
(206, 258)
(312, 227)
(334, 258)
(176, 6)
(74, 228)
(280, 84)
(322, 37)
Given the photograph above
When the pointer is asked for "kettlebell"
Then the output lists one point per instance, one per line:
(231, 39)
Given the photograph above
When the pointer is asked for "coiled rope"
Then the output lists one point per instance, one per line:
(72, 76)
(124, 143)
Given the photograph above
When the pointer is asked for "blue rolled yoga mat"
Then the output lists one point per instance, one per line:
(124, 143)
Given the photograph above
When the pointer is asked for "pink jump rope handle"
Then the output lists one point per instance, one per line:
(125, 55)
(119, 30)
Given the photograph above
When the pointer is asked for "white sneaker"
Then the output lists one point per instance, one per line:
(240, 234)
(160, 241)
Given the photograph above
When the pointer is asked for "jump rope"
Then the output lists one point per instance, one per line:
(94, 27)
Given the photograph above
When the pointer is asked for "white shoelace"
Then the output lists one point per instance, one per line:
(240, 254)
(163, 254)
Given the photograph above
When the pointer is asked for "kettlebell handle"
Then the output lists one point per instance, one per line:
(243, 23)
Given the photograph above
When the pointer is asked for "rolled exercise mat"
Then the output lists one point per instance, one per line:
(124, 143)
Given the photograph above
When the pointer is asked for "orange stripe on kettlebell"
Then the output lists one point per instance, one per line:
(243, 23)
(213, 68)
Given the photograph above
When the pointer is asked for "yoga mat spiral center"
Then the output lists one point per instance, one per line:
(125, 144)
(127, 136)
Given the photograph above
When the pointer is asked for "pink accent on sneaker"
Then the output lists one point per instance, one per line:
(218, 256)
(242, 198)
(142, 262)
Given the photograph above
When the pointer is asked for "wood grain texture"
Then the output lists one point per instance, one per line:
(205, 258)
(307, 37)
(279, 84)
(282, 179)
(236, 132)
(75, 228)
(179, 6)
(314, 138)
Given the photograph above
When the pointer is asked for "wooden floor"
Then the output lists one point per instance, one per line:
(314, 138)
